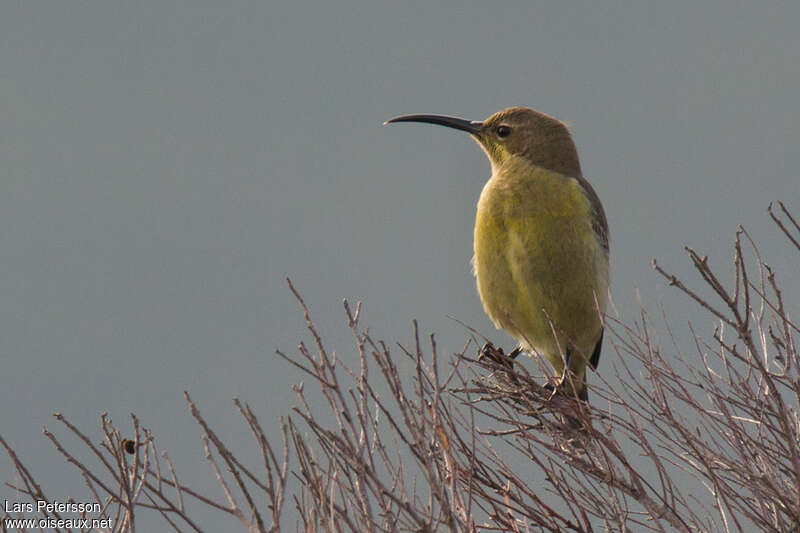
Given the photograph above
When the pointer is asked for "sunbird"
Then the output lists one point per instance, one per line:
(541, 240)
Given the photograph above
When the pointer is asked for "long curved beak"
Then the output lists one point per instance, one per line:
(451, 122)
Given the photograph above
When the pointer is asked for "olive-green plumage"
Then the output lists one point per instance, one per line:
(541, 239)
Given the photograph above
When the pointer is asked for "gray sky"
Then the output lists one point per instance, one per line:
(165, 164)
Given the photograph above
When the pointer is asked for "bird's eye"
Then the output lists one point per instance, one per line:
(503, 131)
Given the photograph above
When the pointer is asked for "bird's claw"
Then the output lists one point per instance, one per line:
(488, 351)
(551, 388)
(496, 355)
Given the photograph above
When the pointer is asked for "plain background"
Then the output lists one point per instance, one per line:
(164, 165)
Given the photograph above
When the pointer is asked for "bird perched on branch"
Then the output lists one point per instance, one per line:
(541, 240)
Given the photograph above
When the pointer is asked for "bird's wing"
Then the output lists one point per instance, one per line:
(595, 359)
(599, 222)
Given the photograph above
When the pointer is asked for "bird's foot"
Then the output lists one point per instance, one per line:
(562, 386)
(496, 355)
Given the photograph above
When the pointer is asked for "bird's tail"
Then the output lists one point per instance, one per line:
(582, 392)
(574, 386)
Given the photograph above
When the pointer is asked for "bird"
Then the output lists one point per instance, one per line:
(541, 241)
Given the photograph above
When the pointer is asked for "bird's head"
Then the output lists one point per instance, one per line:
(517, 131)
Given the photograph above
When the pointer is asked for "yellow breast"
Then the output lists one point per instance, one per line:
(539, 266)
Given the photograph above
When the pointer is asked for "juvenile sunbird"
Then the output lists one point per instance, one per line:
(541, 240)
